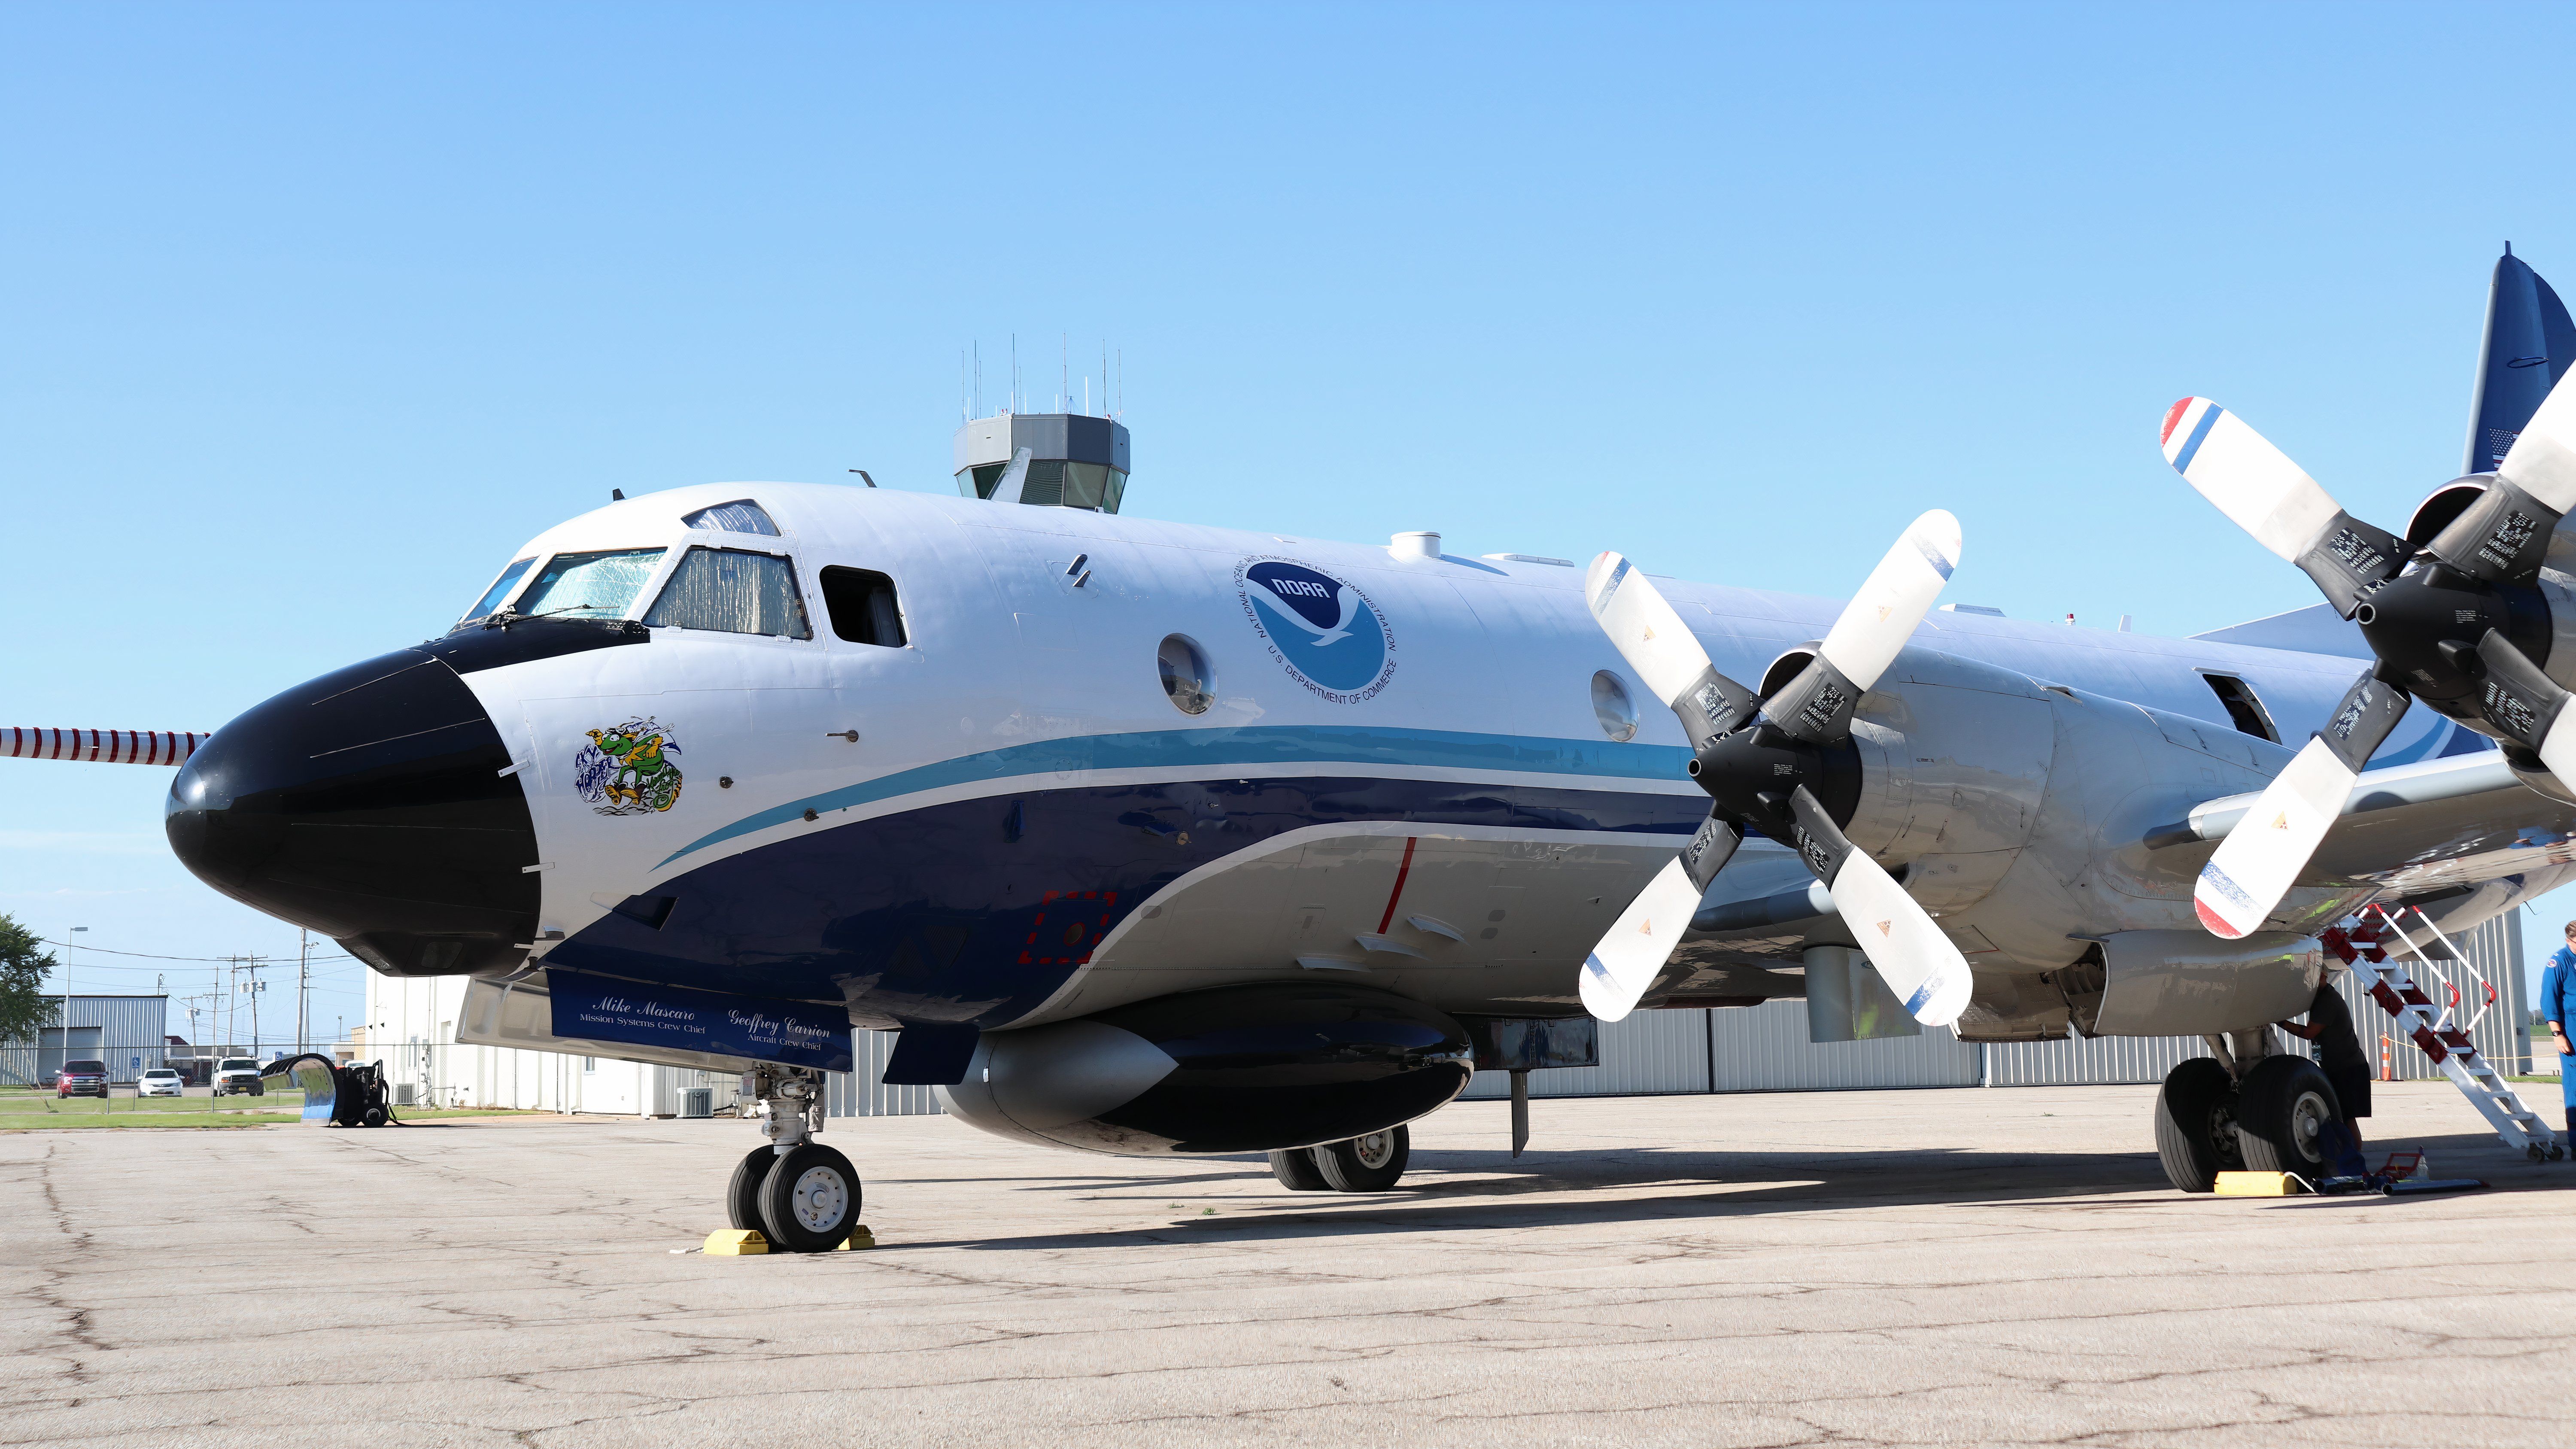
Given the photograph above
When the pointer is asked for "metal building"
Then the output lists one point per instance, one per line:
(129, 1033)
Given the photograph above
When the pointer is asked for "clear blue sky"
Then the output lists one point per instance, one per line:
(314, 311)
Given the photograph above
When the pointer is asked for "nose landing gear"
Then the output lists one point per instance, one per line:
(800, 1195)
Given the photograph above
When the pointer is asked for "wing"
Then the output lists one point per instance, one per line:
(2466, 828)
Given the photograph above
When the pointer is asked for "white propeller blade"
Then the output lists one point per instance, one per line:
(2252, 482)
(1893, 599)
(1621, 968)
(1917, 961)
(1644, 628)
(2542, 461)
(2261, 858)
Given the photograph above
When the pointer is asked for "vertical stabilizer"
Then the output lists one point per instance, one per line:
(2530, 344)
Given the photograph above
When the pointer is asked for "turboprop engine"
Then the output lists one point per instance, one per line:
(2017, 811)
(1232, 1069)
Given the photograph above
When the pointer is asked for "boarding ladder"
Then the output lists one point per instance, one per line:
(2446, 1042)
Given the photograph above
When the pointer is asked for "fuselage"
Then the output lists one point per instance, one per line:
(1434, 771)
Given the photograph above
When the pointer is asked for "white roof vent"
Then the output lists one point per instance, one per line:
(1415, 545)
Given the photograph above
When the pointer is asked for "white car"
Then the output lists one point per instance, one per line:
(160, 1082)
(235, 1075)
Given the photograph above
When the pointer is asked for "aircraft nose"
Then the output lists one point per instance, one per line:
(369, 805)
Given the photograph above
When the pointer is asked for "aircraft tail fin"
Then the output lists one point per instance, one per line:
(2530, 344)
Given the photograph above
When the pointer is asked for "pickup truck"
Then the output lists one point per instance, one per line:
(81, 1077)
(236, 1075)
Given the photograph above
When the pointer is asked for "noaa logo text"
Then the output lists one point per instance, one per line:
(1324, 632)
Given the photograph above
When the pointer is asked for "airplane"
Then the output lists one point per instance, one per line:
(1167, 840)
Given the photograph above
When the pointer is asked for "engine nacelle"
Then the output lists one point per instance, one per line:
(1234, 1069)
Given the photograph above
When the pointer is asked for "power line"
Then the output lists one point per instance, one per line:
(149, 956)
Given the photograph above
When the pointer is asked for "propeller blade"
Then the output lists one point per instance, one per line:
(2503, 536)
(2261, 858)
(1900, 938)
(1893, 599)
(1817, 704)
(2542, 461)
(1665, 654)
(1639, 943)
(2528, 705)
(2263, 492)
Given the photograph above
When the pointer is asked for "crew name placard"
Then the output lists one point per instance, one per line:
(791, 1033)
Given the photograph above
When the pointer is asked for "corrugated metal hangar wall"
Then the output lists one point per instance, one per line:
(1765, 1048)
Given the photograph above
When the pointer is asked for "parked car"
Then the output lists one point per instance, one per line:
(236, 1075)
(81, 1077)
(160, 1082)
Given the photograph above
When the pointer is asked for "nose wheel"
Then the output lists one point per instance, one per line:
(799, 1195)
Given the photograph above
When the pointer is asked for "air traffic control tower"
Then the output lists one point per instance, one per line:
(1073, 460)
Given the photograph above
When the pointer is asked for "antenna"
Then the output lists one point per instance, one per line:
(1063, 370)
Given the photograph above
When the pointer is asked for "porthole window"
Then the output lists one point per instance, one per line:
(1185, 675)
(1611, 706)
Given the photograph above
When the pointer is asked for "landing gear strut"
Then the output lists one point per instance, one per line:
(800, 1195)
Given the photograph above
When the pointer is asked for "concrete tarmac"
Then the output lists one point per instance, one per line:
(1960, 1266)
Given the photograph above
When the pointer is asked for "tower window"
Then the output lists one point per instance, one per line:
(2243, 710)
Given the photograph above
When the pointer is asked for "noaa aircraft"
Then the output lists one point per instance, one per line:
(1169, 840)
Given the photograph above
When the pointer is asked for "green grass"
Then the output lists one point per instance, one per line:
(75, 1121)
(32, 1109)
(46, 1104)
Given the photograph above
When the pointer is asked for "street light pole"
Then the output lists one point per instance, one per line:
(67, 992)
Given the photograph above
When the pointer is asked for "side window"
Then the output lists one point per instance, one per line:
(2243, 710)
(862, 605)
(732, 591)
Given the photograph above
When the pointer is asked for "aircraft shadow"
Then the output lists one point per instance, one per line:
(1453, 1191)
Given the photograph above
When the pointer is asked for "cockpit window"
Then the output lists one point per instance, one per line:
(590, 585)
(500, 590)
(740, 516)
(732, 591)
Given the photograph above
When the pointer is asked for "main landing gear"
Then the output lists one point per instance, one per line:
(1369, 1163)
(799, 1194)
(2250, 1107)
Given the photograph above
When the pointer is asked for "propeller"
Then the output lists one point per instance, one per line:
(1781, 766)
(2454, 623)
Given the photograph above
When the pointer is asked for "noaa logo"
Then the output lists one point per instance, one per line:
(1325, 632)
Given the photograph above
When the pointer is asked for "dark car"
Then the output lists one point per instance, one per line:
(81, 1078)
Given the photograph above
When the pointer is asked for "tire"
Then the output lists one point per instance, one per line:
(374, 1117)
(1365, 1164)
(2196, 1125)
(2280, 1110)
(809, 1203)
(1296, 1170)
(259, 1089)
(742, 1194)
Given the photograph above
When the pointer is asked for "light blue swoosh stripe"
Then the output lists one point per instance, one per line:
(1220, 749)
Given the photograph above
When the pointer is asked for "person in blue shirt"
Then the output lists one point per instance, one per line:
(2558, 1008)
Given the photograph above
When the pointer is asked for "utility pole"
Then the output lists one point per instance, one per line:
(254, 984)
(303, 971)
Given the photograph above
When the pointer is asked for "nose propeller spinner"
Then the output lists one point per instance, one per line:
(2444, 622)
(1781, 766)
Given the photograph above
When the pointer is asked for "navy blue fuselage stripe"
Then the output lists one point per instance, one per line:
(2199, 435)
(936, 913)
(1248, 748)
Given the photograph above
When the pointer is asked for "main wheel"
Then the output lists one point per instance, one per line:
(1365, 1164)
(2196, 1125)
(742, 1193)
(809, 1203)
(1296, 1170)
(2281, 1113)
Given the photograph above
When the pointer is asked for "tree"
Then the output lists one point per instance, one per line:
(24, 1006)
